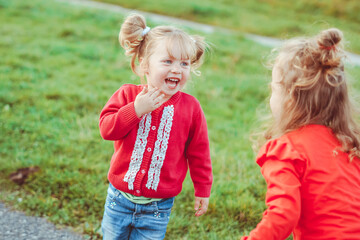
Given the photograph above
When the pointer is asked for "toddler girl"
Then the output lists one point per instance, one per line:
(158, 132)
(311, 162)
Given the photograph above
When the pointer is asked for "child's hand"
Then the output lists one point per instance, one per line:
(148, 100)
(203, 203)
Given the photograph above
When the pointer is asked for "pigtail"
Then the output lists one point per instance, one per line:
(131, 37)
(200, 48)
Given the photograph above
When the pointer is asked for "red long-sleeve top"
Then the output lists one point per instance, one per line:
(152, 153)
(313, 190)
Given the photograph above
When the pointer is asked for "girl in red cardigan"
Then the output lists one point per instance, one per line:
(311, 162)
(158, 132)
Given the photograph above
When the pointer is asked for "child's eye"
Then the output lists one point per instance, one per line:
(184, 64)
(167, 61)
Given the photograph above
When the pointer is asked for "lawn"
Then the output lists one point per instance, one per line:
(276, 18)
(59, 65)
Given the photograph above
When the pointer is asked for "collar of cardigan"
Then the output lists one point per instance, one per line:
(173, 99)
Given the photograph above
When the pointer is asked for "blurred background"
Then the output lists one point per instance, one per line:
(61, 61)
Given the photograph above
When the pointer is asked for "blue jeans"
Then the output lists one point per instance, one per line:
(124, 219)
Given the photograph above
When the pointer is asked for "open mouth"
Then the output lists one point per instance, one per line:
(172, 82)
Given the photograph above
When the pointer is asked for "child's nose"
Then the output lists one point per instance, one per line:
(175, 69)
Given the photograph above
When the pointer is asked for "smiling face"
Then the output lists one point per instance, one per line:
(167, 72)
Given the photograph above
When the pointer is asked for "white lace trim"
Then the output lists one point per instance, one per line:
(161, 145)
(139, 149)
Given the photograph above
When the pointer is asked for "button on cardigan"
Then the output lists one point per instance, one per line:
(152, 154)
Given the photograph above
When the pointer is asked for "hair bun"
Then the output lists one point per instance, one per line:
(329, 38)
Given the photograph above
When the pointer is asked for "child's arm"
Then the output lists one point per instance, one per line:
(198, 155)
(283, 200)
(118, 116)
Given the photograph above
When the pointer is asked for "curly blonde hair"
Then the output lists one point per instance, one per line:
(141, 46)
(312, 74)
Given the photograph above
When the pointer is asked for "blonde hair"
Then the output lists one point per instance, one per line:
(141, 46)
(313, 77)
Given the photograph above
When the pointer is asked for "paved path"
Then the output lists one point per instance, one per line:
(16, 225)
(354, 59)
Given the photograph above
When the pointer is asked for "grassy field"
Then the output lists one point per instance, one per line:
(277, 18)
(59, 65)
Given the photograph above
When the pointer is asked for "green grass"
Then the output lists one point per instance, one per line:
(276, 18)
(59, 65)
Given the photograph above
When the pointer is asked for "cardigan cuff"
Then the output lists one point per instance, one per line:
(128, 114)
(202, 190)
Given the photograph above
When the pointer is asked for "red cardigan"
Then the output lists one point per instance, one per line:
(312, 190)
(152, 153)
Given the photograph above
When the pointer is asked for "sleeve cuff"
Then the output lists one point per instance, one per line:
(202, 190)
(128, 114)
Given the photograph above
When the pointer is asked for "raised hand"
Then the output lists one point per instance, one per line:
(148, 100)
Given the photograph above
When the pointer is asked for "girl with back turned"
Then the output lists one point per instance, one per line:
(311, 162)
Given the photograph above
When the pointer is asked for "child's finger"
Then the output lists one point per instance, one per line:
(144, 90)
(201, 211)
(158, 104)
(159, 98)
(156, 94)
(197, 204)
(151, 91)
